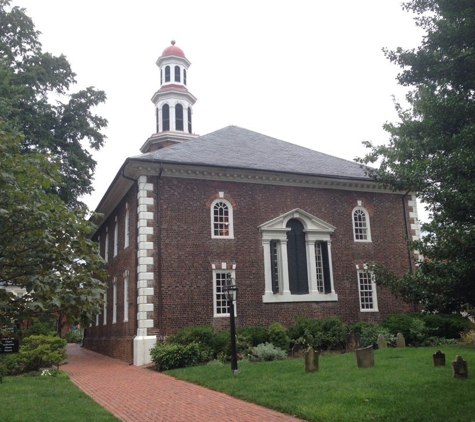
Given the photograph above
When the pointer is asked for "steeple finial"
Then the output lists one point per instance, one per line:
(173, 42)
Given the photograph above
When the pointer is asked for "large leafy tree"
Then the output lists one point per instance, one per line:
(432, 153)
(35, 99)
(44, 170)
(44, 245)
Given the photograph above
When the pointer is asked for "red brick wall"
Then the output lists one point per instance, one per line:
(187, 250)
(116, 339)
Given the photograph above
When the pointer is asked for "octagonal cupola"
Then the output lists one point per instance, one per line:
(173, 102)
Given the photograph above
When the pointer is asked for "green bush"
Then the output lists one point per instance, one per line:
(204, 335)
(368, 333)
(38, 351)
(47, 328)
(10, 364)
(73, 336)
(278, 336)
(268, 352)
(303, 325)
(333, 333)
(254, 335)
(222, 343)
(170, 356)
(399, 323)
(447, 326)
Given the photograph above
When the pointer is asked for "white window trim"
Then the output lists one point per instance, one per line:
(106, 246)
(126, 295)
(126, 227)
(373, 291)
(215, 312)
(316, 230)
(116, 237)
(368, 226)
(104, 314)
(114, 301)
(230, 217)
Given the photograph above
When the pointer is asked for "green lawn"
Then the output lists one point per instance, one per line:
(48, 399)
(402, 386)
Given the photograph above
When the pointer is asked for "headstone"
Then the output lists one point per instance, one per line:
(459, 368)
(400, 340)
(311, 360)
(352, 341)
(382, 343)
(438, 358)
(365, 357)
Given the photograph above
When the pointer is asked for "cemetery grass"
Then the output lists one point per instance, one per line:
(36, 398)
(402, 386)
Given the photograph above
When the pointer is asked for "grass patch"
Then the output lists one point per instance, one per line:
(36, 398)
(402, 386)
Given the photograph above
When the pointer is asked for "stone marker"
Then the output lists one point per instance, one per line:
(438, 358)
(352, 341)
(459, 368)
(311, 360)
(365, 357)
(400, 340)
(382, 343)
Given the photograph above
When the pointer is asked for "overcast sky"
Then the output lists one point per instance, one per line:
(309, 72)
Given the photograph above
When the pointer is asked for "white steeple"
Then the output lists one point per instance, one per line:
(173, 102)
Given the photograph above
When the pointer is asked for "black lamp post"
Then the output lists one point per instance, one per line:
(230, 292)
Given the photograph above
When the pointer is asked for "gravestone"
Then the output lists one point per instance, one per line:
(365, 357)
(459, 368)
(438, 358)
(382, 343)
(400, 340)
(311, 360)
(352, 341)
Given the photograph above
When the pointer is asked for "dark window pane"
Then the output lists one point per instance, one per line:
(179, 117)
(297, 258)
(167, 73)
(184, 76)
(177, 73)
(166, 117)
(189, 120)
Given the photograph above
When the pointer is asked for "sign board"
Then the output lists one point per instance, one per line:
(9, 345)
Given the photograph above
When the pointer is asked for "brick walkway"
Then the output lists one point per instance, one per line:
(137, 394)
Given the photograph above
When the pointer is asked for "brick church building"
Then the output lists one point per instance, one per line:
(294, 227)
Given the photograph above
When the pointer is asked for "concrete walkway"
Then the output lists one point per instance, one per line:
(137, 394)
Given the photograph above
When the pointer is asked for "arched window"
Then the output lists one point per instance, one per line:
(297, 258)
(184, 76)
(156, 121)
(126, 295)
(114, 301)
(221, 219)
(167, 73)
(177, 73)
(104, 313)
(106, 246)
(179, 117)
(361, 227)
(161, 76)
(189, 120)
(166, 117)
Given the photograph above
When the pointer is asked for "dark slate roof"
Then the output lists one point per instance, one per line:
(238, 148)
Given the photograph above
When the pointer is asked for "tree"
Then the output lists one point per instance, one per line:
(44, 228)
(29, 79)
(432, 152)
(44, 245)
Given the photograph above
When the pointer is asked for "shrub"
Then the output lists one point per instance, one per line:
(254, 335)
(468, 337)
(40, 328)
(268, 352)
(448, 326)
(333, 333)
(399, 323)
(222, 343)
(169, 356)
(204, 335)
(39, 351)
(9, 364)
(73, 336)
(302, 324)
(368, 333)
(278, 336)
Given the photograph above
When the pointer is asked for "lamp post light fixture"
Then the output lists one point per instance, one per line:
(230, 292)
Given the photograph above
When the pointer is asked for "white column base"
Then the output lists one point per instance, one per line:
(142, 346)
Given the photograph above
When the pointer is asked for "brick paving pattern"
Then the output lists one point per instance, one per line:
(137, 394)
